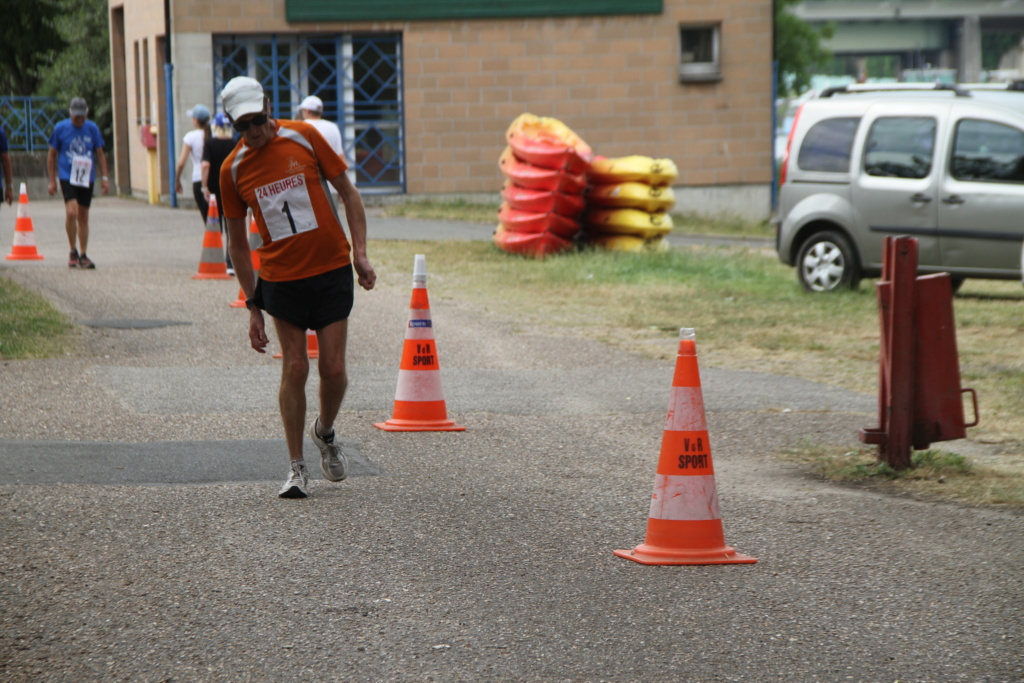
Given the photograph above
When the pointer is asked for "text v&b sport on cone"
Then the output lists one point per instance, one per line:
(684, 525)
(419, 399)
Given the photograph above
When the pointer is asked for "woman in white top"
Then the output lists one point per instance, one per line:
(192, 147)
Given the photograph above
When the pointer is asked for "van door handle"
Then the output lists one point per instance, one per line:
(953, 199)
(920, 198)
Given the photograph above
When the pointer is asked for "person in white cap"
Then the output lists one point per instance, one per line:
(280, 170)
(192, 148)
(75, 146)
(312, 109)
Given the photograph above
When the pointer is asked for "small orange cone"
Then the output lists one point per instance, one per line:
(255, 242)
(312, 345)
(24, 248)
(419, 400)
(211, 264)
(684, 526)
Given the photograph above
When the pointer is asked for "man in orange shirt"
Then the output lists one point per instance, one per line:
(280, 171)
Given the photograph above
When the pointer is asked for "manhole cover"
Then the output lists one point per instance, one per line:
(132, 324)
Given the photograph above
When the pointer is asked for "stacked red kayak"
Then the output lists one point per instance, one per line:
(545, 167)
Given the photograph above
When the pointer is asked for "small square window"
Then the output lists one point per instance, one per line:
(699, 58)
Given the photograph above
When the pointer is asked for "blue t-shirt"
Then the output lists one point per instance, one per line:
(71, 142)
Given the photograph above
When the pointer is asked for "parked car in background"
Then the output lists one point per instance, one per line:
(944, 164)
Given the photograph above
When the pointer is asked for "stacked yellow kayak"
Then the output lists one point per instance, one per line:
(544, 165)
(628, 203)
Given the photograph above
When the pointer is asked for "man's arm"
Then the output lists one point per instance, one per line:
(51, 169)
(104, 181)
(5, 160)
(356, 216)
(241, 259)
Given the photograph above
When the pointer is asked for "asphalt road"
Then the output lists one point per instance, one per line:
(142, 538)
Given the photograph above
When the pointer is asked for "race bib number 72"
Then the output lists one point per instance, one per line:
(286, 207)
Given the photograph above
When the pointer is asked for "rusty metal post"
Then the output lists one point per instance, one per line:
(896, 450)
(896, 353)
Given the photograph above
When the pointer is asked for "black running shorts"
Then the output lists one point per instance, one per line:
(311, 303)
(82, 194)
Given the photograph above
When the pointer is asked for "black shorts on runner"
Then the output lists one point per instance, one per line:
(311, 303)
(82, 194)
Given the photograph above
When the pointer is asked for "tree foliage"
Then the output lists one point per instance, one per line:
(82, 67)
(58, 48)
(28, 43)
(798, 48)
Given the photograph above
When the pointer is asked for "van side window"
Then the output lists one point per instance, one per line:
(900, 147)
(827, 145)
(988, 151)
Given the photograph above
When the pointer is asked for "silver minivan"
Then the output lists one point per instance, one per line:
(944, 165)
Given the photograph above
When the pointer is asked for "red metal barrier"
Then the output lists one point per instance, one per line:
(919, 395)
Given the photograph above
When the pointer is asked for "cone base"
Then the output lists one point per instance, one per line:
(394, 425)
(214, 276)
(648, 555)
(237, 303)
(17, 257)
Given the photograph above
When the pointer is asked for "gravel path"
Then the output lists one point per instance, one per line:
(142, 539)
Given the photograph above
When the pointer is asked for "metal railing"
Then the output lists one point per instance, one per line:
(28, 121)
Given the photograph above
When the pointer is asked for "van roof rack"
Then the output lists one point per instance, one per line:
(1008, 86)
(895, 87)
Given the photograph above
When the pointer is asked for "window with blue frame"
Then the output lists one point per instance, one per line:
(358, 77)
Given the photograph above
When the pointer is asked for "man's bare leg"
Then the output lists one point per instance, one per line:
(332, 341)
(292, 394)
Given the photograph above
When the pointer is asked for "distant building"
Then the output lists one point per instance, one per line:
(929, 39)
(424, 91)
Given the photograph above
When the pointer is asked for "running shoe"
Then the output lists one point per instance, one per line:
(73, 259)
(297, 485)
(231, 271)
(333, 462)
(86, 262)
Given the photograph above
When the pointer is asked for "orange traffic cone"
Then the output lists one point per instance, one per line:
(419, 400)
(255, 242)
(312, 345)
(24, 248)
(211, 264)
(684, 526)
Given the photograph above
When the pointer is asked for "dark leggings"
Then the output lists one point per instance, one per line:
(224, 231)
(201, 203)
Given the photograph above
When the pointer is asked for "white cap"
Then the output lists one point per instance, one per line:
(242, 95)
(419, 268)
(312, 103)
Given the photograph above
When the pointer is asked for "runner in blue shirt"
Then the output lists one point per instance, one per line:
(75, 146)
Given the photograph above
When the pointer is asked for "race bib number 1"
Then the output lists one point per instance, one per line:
(286, 207)
(81, 170)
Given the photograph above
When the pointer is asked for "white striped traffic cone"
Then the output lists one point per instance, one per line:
(684, 525)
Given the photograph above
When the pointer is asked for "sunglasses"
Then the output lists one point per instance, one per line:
(258, 120)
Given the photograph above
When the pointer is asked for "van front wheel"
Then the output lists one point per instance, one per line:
(826, 262)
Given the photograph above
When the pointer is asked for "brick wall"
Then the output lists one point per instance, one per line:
(613, 80)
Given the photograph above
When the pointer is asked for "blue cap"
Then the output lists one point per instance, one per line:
(200, 113)
(220, 120)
